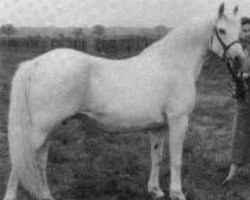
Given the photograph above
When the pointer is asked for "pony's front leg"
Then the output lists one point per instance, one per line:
(157, 144)
(177, 130)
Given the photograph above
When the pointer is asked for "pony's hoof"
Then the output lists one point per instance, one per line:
(176, 195)
(156, 193)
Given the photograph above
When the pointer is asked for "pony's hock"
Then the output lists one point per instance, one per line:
(150, 90)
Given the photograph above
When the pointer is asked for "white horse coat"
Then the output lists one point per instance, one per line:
(152, 90)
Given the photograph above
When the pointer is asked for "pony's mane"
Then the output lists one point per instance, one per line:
(189, 33)
(193, 32)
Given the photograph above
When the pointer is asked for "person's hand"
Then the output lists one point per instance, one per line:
(238, 85)
(242, 75)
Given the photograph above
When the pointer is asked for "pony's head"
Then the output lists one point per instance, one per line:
(225, 36)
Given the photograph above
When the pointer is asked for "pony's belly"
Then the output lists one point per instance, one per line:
(127, 111)
(122, 121)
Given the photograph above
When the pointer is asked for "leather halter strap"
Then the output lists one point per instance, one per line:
(224, 46)
(233, 65)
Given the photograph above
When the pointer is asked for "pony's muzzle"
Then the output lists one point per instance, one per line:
(238, 56)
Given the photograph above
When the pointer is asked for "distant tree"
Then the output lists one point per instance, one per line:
(8, 29)
(47, 42)
(98, 30)
(37, 36)
(146, 32)
(61, 36)
(78, 33)
(62, 40)
(161, 30)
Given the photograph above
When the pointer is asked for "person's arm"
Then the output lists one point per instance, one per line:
(238, 84)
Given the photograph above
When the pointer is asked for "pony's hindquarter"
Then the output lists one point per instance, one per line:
(28, 159)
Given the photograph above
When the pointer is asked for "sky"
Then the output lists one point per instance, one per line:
(85, 13)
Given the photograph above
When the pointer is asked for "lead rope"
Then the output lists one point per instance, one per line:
(233, 67)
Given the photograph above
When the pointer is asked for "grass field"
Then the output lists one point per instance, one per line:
(87, 164)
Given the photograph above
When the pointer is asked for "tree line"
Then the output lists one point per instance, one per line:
(95, 43)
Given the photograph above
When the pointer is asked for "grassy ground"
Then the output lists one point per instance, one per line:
(87, 164)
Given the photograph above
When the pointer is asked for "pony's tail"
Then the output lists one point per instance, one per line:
(22, 153)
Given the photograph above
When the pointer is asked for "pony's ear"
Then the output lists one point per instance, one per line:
(236, 9)
(221, 10)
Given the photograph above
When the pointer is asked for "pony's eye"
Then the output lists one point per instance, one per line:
(222, 31)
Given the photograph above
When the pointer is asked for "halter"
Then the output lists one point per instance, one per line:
(224, 46)
(229, 61)
(233, 66)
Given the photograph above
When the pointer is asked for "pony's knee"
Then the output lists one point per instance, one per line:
(176, 164)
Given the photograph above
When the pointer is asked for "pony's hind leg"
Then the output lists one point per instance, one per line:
(33, 173)
(178, 127)
(11, 192)
(37, 181)
(157, 144)
(41, 155)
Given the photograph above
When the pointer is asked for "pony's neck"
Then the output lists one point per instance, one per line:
(187, 45)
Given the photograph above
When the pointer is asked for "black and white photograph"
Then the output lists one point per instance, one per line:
(124, 100)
